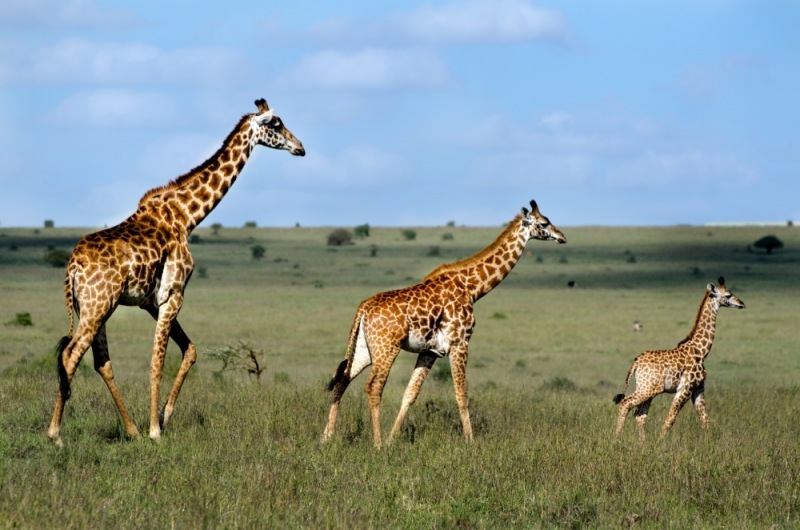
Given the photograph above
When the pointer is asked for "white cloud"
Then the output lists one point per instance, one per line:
(114, 108)
(681, 168)
(84, 62)
(458, 22)
(76, 14)
(484, 21)
(369, 69)
(356, 165)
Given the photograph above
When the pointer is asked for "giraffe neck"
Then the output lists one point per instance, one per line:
(702, 335)
(483, 271)
(187, 200)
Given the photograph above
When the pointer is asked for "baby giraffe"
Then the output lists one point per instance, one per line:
(679, 371)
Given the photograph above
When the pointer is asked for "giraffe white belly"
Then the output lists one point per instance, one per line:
(437, 343)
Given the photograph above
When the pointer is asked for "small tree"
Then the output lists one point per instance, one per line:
(768, 243)
(339, 237)
(49, 223)
(361, 231)
(250, 224)
(215, 228)
(242, 357)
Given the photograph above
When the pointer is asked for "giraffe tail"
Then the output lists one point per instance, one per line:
(63, 381)
(342, 372)
(620, 397)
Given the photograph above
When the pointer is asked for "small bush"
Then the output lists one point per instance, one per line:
(57, 257)
(373, 251)
(202, 271)
(409, 235)
(441, 373)
(195, 239)
(257, 251)
(250, 224)
(21, 319)
(361, 231)
(49, 223)
(339, 237)
(447, 237)
(433, 251)
(631, 259)
(240, 357)
(559, 384)
(563, 259)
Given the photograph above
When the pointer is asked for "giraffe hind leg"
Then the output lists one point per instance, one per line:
(70, 356)
(102, 365)
(423, 367)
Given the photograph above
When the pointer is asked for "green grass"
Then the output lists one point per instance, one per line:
(545, 361)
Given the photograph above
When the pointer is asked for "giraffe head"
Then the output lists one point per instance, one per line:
(537, 226)
(722, 294)
(270, 131)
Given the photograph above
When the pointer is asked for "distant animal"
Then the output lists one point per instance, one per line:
(679, 370)
(145, 261)
(572, 283)
(434, 319)
(637, 325)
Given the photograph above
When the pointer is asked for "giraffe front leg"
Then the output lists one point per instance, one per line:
(458, 367)
(421, 369)
(189, 356)
(699, 401)
(166, 315)
(681, 397)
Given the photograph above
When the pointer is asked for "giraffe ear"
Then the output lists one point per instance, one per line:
(265, 117)
(711, 288)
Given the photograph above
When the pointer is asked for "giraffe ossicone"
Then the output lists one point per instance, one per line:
(145, 261)
(433, 319)
(678, 371)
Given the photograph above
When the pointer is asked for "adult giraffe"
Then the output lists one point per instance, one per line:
(145, 261)
(433, 318)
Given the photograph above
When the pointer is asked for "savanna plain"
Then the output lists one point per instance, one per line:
(545, 361)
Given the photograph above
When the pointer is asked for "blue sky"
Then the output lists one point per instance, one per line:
(412, 113)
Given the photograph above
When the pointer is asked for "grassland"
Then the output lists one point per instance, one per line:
(545, 361)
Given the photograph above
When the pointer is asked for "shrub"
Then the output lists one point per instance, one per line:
(409, 235)
(361, 231)
(240, 357)
(373, 250)
(202, 271)
(49, 223)
(339, 237)
(447, 237)
(257, 251)
(441, 373)
(57, 257)
(250, 224)
(433, 251)
(194, 239)
(21, 319)
(215, 228)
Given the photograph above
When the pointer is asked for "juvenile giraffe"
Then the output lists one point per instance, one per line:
(679, 370)
(145, 261)
(434, 319)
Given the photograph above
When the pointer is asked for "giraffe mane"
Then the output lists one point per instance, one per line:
(198, 169)
(696, 319)
(478, 256)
